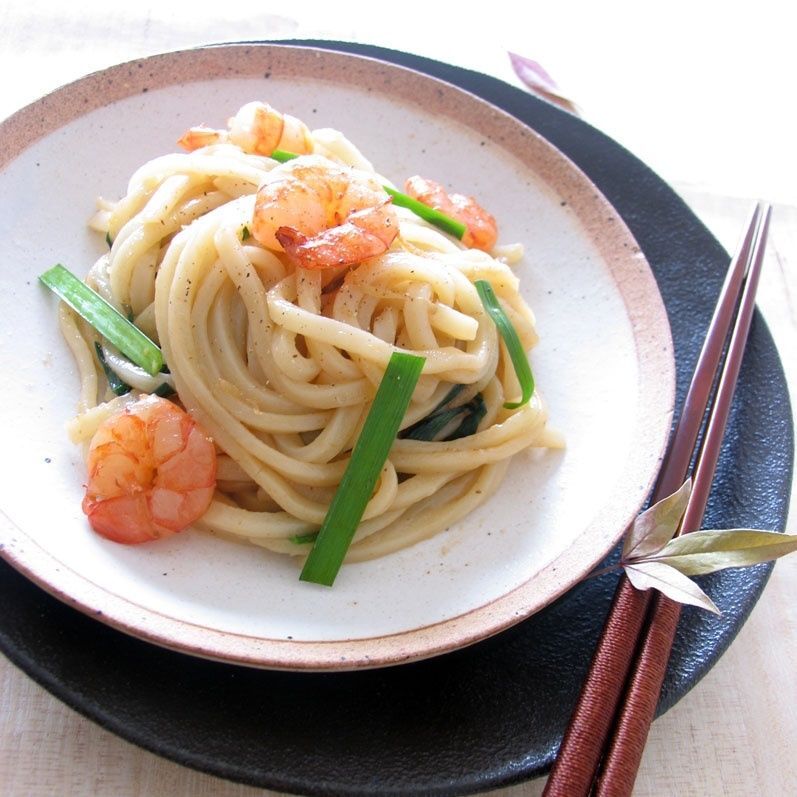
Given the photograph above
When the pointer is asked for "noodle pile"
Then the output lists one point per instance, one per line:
(279, 364)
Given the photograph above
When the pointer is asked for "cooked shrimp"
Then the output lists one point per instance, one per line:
(261, 129)
(256, 128)
(323, 215)
(152, 472)
(481, 228)
(196, 137)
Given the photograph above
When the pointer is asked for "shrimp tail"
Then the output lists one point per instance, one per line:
(125, 519)
(201, 136)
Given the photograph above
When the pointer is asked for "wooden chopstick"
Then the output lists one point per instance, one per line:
(576, 766)
(621, 762)
(588, 737)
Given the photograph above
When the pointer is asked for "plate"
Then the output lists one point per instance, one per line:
(604, 365)
(486, 716)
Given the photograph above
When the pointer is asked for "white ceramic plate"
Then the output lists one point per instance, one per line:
(604, 365)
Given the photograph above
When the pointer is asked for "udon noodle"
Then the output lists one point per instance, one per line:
(279, 363)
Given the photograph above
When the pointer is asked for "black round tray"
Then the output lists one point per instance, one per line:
(482, 717)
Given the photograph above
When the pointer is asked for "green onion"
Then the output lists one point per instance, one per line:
(512, 341)
(440, 220)
(108, 239)
(245, 234)
(282, 156)
(304, 539)
(450, 396)
(430, 427)
(447, 399)
(366, 463)
(118, 387)
(106, 319)
(477, 409)
(164, 389)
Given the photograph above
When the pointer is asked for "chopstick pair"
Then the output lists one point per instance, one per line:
(604, 741)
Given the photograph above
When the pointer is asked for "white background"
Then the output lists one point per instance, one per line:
(701, 91)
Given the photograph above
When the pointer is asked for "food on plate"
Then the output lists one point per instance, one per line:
(151, 472)
(481, 228)
(257, 128)
(272, 278)
(323, 215)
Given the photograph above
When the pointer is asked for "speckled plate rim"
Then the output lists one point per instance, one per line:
(601, 222)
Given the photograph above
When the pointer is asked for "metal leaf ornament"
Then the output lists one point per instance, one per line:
(655, 558)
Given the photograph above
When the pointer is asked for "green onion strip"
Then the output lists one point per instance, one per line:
(367, 460)
(432, 425)
(282, 156)
(118, 386)
(435, 217)
(440, 220)
(510, 336)
(476, 410)
(429, 428)
(105, 318)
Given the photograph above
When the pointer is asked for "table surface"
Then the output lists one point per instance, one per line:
(678, 108)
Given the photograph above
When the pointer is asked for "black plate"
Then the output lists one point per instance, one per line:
(479, 718)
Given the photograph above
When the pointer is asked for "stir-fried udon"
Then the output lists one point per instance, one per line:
(278, 292)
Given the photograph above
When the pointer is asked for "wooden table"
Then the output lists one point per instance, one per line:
(734, 734)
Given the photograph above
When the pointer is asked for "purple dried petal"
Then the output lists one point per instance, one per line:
(539, 81)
